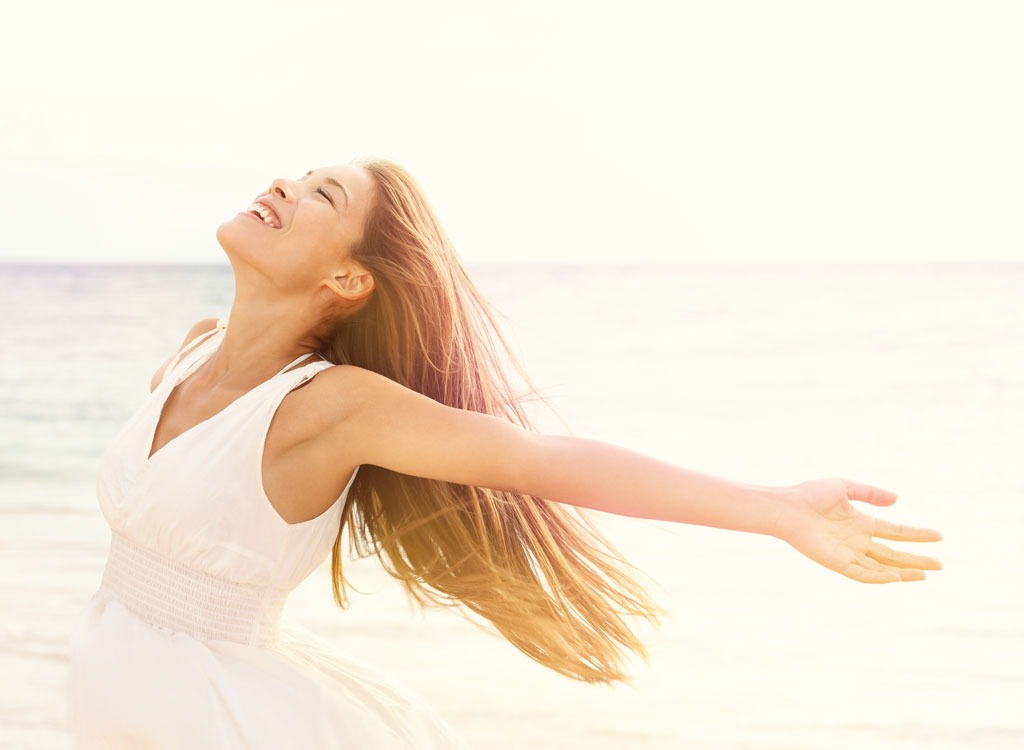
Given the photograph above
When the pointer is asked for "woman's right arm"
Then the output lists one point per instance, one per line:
(199, 328)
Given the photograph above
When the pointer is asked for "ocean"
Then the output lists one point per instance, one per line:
(908, 376)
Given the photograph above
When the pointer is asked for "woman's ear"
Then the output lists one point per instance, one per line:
(351, 284)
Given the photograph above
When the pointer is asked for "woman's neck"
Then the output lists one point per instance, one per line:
(261, 338)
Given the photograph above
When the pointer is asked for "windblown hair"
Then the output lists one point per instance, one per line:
(536, 569)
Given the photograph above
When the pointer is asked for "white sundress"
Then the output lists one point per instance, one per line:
(182, 646)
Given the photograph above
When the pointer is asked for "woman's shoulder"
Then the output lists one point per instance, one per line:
(317, 406)
(339, 388)
(354, 381)
(340, 392)
(203, 326)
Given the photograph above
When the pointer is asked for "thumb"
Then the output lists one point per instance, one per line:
(867, 493)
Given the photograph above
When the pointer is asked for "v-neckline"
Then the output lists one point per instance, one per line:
(186, 374)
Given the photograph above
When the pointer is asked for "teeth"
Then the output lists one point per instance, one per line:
(263, 212)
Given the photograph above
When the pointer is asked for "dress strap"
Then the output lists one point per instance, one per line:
(299, 359)
(193, 345)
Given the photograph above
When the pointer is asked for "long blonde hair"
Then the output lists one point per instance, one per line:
(538, 570)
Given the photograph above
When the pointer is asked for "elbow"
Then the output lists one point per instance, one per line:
(533, 469)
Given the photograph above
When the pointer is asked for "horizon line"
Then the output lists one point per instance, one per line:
(554, 263)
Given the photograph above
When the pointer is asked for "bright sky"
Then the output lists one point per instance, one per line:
(541, 130)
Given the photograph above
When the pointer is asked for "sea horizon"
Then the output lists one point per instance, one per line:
(907, 375)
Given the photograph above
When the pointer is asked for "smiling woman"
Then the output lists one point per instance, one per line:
(358, 382)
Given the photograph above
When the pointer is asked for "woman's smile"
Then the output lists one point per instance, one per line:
(263, 211)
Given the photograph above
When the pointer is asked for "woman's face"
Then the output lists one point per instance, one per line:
(301, 231)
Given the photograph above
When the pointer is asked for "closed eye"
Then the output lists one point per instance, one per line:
(326, 195)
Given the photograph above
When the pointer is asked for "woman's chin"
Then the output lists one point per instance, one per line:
(232, 235)
(242, 248)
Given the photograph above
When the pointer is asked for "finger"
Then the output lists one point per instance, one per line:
(899, 559)
(867, 570)
(867, 493)
(869, 575)
(902, 574)
(911, 574)
(897, 532)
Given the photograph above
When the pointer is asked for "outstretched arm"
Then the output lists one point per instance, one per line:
(388, 425)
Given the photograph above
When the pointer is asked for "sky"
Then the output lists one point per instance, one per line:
(569, 132)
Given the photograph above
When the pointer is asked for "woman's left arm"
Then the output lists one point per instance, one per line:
(391, 426)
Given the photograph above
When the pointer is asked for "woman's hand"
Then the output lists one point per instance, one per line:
(819, 521)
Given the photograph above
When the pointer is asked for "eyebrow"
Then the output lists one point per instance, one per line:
(332, 181)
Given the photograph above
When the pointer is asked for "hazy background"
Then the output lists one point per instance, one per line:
(571, 150)
(904, 375)
(541, 130)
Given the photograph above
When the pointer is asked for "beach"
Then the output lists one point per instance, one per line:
(905, 375)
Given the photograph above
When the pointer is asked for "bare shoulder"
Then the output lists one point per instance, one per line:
(339, 392)
(197, 330)
(315, 419)
(371, 419)
(340, 402)
(357, 378)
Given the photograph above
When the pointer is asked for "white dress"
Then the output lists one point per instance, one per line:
(182, 646)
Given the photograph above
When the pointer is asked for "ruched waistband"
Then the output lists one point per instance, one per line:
(166, 593)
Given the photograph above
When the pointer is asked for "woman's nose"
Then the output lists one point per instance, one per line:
(282, 189)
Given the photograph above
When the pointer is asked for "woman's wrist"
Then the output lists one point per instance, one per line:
(779, 506)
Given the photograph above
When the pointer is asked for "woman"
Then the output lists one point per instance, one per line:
(359, 382)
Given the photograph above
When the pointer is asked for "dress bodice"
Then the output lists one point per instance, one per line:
(184, 643)
(199, 502)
